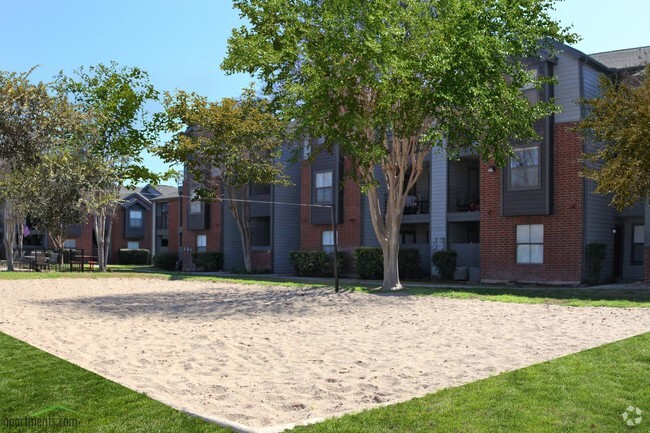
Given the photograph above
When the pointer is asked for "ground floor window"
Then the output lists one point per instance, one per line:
(328, 241)
(530, 243)
(638, 243)
(70, 244)
(133, 245)
(201, 243)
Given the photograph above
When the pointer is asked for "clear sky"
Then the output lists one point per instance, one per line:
(182, 43)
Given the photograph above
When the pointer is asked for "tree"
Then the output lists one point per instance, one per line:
(56, 200)
(234, 143)
(620, 121)
(386, 80)
(32, 120)
(114, 98)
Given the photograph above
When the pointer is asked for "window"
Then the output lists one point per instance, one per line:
(133, 245)
(164, 241)
(530, 243)
(328, 241)
(638, 244)
(135, 218)
(70, 244)
(195, 205)
(524, 168)
(324, 189)
(201, 243)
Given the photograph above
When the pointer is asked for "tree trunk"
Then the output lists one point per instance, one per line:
(401, 168)
(240, 209)
(9, 235)
(99, 222)
(107, 240)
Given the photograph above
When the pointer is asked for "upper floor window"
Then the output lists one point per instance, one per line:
(324, 187)
(638, 244)
(135, 218)
(195, 205)
(524, 168)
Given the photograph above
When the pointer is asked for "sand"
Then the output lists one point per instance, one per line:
(270, 356)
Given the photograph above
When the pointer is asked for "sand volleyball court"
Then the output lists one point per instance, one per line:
(264, 357)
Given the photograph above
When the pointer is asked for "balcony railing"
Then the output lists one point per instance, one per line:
(463, 200)
(417, 203)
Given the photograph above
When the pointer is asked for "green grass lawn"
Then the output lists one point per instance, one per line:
(584, 392)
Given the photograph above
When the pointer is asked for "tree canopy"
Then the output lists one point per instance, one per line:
(619, 123)
(386, 80)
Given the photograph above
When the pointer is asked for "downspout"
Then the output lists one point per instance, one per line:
(153, 230)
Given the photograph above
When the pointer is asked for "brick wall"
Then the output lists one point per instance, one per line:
(349, 228)
(646, 262)
(85, 241)
(261, 260)
(172, 226)
(213, 232)
(563, 230)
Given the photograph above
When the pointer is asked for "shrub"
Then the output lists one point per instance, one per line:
(445, 261)
(166, 261)
(594, 257)
(315, 263)
(208, 261)
(133, 257)
(369, 263)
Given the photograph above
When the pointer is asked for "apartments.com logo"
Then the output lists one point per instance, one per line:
(52, 417)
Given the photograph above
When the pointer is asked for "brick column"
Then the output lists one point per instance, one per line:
(646, 265)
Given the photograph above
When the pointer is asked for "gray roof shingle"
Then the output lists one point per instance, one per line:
(624, 59)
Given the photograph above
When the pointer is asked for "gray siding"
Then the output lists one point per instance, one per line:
(74, 230)
(599, 221)
(285, 220)
(233, 258)
(590, 82)
(438, 199)
(567, 89)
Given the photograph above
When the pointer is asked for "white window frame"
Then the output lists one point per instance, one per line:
(201, 243)
(327, 240)
(133, 245)
(132, 220)
(521, 162)
(530, 244)
(323, 181)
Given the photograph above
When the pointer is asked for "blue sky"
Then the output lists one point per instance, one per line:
(181, 43)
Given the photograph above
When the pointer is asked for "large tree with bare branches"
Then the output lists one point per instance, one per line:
(386, 80)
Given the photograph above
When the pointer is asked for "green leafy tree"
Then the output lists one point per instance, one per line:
(232, 144)
(120, 129)
(387, 80)
(32, 120)
(619, 121)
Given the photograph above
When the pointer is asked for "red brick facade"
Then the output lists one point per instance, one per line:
(563, 230)
(118, 239)
(349, 229)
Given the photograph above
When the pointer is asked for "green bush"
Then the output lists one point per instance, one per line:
(166, 261)
(315, 263)
(208, 261)
(133, 257)
(369, 263)
(445, 261)
(594, 257)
